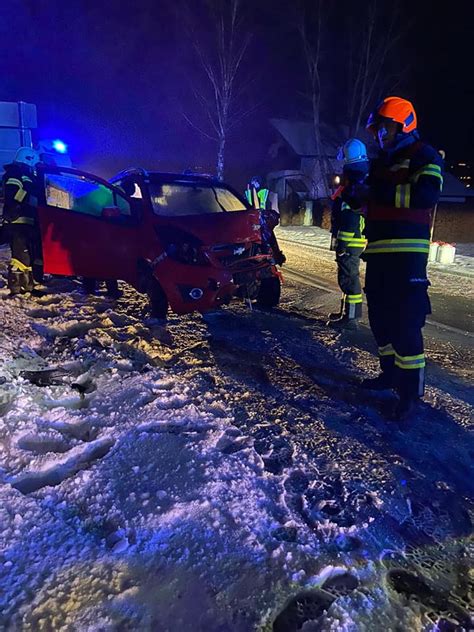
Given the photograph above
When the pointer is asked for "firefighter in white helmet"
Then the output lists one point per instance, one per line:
(21, 191)
(347, 227)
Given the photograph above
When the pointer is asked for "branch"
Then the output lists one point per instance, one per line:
(196, 127)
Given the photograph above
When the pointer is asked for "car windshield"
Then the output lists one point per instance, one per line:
(192, 198)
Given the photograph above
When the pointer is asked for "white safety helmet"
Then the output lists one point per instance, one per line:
(28, 156)
(353, 151)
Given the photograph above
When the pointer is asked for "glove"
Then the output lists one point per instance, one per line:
(279, 258)
(341, 250)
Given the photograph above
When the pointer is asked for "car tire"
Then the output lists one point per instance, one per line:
(158, 300)
(269, 292)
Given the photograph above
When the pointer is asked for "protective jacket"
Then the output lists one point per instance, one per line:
(405, 187)
(20, 190)
(347, 226)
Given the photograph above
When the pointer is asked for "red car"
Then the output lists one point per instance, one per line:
(189, 242)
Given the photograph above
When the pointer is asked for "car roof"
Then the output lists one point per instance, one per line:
(166, 176)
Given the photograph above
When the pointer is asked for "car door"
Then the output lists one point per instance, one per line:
(88, 227)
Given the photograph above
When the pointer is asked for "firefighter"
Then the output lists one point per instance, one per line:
(21, 191)
(347, 227)
(258, 196)
(404, 185)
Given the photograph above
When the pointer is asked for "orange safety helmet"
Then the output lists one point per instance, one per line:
(396, 109)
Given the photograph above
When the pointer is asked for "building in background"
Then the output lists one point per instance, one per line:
(19, 128)
(17, 124)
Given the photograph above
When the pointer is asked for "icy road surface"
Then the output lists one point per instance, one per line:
(224, 473)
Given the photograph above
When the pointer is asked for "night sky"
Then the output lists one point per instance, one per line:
(111, 78)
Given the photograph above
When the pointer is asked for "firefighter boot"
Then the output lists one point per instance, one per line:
(349, 319)
(113, 289)
(337, 315)
(27, 281)
(410, 388)
(14, 282)
(89, 285)
(38, 274)
(383, 381)
(406, 408)
(344, 323)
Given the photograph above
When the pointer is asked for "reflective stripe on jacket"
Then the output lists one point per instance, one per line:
(348, 226)
(262, 195)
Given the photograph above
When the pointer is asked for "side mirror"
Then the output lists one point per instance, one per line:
(109, 212)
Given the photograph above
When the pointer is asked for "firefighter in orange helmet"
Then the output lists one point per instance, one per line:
(403, 187)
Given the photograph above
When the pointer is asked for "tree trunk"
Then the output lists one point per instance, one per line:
(220, 158)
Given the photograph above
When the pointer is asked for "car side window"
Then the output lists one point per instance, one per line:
(81, 194)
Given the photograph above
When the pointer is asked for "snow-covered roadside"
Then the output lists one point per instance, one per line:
(215, 469)
(144, 481)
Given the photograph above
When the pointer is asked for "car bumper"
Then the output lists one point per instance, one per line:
(196, 288)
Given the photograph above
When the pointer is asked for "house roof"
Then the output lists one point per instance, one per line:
(300, 136)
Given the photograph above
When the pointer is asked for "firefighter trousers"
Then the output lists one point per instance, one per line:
(20, 271)
(348, 279)
(397, 299)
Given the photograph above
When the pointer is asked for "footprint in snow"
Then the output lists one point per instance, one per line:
(297, 482)
(295, 485)
(82, 430)
(230, 443)
(43, 313)
(440, 605)
(49, 300)
(265, 437)
(60, 471)
(281, 456)
(308, 606)
(42, 443)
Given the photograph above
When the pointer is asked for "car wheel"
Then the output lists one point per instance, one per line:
(249, 291)
(158, 300)
(269, 292)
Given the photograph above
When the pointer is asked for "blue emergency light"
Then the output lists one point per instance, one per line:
(60, 146)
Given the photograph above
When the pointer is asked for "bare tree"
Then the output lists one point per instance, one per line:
(378, 33)
(221, 61)
(310, 28)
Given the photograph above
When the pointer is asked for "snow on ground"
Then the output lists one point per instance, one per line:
(221, 473)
